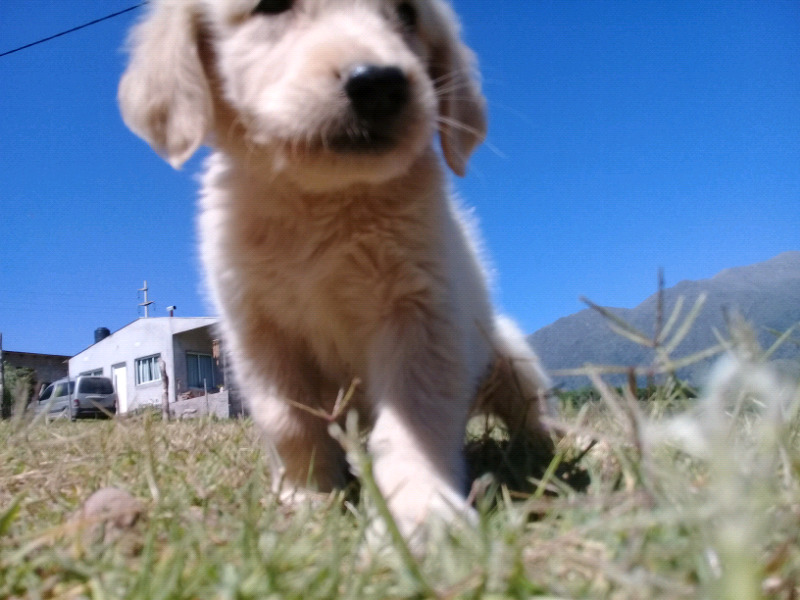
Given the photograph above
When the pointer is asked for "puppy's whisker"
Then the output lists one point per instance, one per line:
(451, 74)
(455, 89)
(452, 81)
(456, 124)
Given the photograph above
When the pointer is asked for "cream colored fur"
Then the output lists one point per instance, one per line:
(328, 265)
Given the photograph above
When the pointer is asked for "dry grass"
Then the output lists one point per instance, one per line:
(697, 502)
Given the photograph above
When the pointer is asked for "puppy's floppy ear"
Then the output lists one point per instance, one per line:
(164, 95)
(462, 107)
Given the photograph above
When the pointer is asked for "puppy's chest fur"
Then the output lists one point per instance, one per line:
(326, 268)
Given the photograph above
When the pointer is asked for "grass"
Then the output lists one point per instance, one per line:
(688, 499)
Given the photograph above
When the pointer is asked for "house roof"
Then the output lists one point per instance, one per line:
(173, 325)
(14, 354)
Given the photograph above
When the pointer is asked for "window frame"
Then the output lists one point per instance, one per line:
(197, 356)
(152, 367)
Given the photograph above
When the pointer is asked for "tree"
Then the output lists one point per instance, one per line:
(20, 383)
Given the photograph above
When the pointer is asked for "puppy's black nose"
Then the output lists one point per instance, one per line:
(377, 93)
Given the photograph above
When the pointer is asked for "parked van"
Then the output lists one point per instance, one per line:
(83, 396)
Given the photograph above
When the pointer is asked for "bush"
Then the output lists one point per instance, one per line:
(20, 383)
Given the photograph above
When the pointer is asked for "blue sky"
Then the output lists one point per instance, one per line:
(624, 136)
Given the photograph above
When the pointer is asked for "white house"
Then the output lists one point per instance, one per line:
(130, 357)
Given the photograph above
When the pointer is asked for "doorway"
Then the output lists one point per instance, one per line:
(119, 375)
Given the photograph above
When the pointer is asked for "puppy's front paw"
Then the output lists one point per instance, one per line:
(417, 511)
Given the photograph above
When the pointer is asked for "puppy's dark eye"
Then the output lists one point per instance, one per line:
(272, 7)
(407, 14)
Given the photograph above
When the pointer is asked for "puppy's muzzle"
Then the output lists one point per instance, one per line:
(378, 96)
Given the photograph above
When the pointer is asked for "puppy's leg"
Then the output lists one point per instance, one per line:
(304, 455)
(420, 389)
(517, 390)
(279, 379)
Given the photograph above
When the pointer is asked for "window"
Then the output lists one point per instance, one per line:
(95, 373)
(199, 369)
(147, 369)
(48, 391)
(65, 388)
(95, 385)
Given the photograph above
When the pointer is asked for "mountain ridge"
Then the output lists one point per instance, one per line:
(767, 294)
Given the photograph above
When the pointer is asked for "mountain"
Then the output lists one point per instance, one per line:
(767, 294)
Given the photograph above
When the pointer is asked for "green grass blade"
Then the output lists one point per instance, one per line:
(8, 515)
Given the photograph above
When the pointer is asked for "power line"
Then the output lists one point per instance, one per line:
(90, 23)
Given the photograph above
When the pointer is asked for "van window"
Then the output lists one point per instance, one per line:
(46, 393)
(95, 385)
(62, 389)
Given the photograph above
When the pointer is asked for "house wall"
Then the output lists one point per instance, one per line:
(140, 339)
(217, 405)
(48, 367)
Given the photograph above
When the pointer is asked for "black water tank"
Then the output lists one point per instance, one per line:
(100, 334)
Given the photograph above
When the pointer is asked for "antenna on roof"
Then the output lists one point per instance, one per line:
(146, 303)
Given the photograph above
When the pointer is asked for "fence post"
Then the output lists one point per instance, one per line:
(162, 366)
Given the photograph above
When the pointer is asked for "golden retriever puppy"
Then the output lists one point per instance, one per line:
(332, 248)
